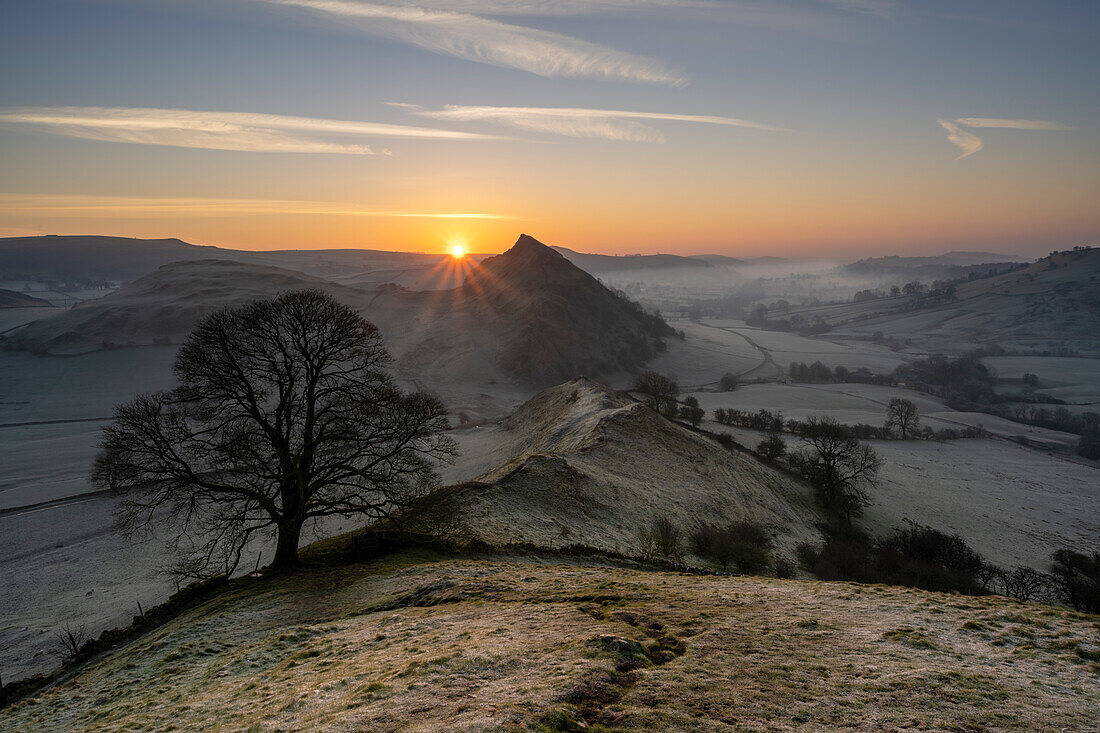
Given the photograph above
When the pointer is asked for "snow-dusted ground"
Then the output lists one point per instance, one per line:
(1014, 505)
(62, 563)
(866, 403)
(1074, 380)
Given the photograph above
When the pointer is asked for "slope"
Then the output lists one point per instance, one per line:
(553, 321)
(610, 264)
(162, 307)
(98, 259)
(532, 644)
(13, 299)
(1054, 302)
(581, 464)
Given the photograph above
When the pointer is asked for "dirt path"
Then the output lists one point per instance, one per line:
(767, 361)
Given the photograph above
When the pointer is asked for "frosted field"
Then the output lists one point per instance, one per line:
(1074, 380)
(69, 567)
(787, 347)
(11, 318)
(1012, 504)
(40, 388)
(705, 355)
(866, 403)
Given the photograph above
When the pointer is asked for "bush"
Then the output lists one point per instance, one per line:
(661, 539)
(745, 545)
(783, 568)
(728, 382)
(1076, 579)
(919, 557)
(772, 447)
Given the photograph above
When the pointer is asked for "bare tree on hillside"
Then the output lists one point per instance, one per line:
(902, 416)
(840, 468)
(284, 413)
(659, 389)
(691, 411)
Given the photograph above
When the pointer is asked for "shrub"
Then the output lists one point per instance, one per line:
(1076, 579)
(728, 382)
(772, 447)
(661, 538)
(745, 545)
(783, 568)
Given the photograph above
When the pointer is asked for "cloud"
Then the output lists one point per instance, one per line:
(61, 205)
(970, 143)
(869, 7)
(967, 142)
(548, 8)
(1011, 124)
(577, 122)
(489, 41)
(241, 131)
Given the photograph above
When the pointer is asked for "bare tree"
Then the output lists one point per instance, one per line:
(840, 468)
(691, 411)
(901, 416)
(69, 640)
(661, 538)
(283, 414)
(772, 447)
(659, 389)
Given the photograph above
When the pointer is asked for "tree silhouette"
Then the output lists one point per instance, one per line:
(902, 416)
(839, 467)
(659, 389)
(283, 414)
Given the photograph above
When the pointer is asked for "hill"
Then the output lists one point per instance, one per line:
(91, 259)
(579, 463)
(96, 259)
(162, 307)
(723, 260)
(527, 315)
(416, 643)
(551, 320)
(940, 267)
(1051, 303)
(13, 299)
(609, 264)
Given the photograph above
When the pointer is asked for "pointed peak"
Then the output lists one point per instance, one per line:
(528, 243)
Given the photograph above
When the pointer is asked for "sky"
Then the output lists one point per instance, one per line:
(796, 128)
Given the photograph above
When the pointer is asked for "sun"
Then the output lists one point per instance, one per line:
(458, 251)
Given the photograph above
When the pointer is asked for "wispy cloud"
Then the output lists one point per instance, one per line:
(138, 207)
(608, 124)
(548, 8)
(476, 38)
(241, 131)
(1012, 124)
(869, 7)
(969, 143)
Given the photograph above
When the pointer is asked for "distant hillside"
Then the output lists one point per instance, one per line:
(551, 320)
(162, 307)
(722, 260)
(604, 264)
(941, 267)
(527, 315)
(91, 258)
(583, 464)
(1053, 302)
(96, 259)
(13, 299)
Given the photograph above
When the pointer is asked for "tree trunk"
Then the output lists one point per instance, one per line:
(286, 553)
